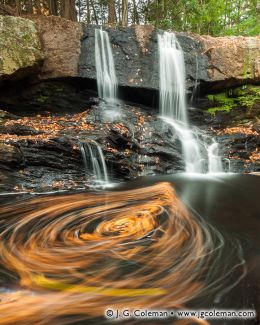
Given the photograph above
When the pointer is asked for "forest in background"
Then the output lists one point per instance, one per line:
(213, 17)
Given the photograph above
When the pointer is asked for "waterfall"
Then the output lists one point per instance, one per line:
(94, 161)
(173, 108)
(214, 160)
(190, 146)
(172, 78)
(105, 68)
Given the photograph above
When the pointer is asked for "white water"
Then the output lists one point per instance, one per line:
(191, 150)
(172, 78)
(94, 161)
(214, 160)
(173, 108)
(105, 67)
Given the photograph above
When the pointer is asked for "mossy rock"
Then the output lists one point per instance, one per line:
(247, 97)
(20, 48)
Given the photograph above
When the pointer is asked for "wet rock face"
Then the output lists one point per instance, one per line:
(43, 152)
(136, 57)
(20, 48)
(49, 96)
(27, 48)
(216, 62)
(234, 119)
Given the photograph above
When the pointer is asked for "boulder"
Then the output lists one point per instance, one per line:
(232, 60)
(61, 46)
(20, 48)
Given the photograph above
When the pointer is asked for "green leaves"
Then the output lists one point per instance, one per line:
(214, 17)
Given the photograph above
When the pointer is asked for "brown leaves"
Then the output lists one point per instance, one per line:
(121, 128)
(49, 126)
(255, 156)
(238, 129)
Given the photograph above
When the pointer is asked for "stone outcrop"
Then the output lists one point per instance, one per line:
(61, 43)
(42, 152)
(20, 48)
(232, 58)
(68, 51)
(135, 52)
(218, 62)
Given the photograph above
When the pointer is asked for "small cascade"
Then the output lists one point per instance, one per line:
(214, 160)
(190, 146)
(173, 107)
(94, 161)
(172, 78)
(105, 68)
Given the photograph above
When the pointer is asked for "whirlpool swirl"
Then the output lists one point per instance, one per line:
(69, 257)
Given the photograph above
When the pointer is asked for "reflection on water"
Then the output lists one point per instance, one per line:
(66, 258)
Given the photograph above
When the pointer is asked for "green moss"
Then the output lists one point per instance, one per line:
(19, 45)
(245, 96)
(221, 102)
(59, 88)
(42, 99)
(213, 110)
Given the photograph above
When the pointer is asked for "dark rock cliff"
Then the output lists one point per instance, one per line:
(135, 52)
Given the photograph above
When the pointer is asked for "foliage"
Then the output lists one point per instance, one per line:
(223, 102)
(246, 96)
(214, 17)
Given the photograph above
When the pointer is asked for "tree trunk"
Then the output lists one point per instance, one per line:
(135, 14)
(94, 11)
(88, 12)
(29, 7)
(79, 10)
(111, 12)
(124, 12)
(119, 10)
(68, 10)
(52, 5)
(38, 7)
(18, 7)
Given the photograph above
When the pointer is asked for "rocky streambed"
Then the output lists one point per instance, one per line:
(48, 103)
(42, 129)
(42, 152)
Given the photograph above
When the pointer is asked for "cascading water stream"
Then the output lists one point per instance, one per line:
(94, 160)
(172, 78)
(215, 164)
(105, 67)
(173, 108)
(190, 147)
